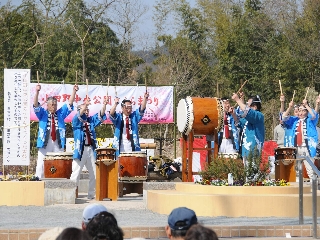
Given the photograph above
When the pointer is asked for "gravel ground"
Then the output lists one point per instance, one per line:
(129, 211)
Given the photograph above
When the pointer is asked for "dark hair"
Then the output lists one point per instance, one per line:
(256, 101)
(224, 99)
(104, 226)
(199, 232)
(123, 103)
(178, 233)
(73, 233)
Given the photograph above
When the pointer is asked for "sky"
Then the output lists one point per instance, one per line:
(144, 35)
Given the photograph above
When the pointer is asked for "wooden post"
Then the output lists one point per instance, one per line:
(216, 144)
(190, 155)
(184, 158)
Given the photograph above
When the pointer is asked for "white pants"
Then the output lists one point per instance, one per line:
(52, 146)
(87, 160)
(300, 154)
(226, 146)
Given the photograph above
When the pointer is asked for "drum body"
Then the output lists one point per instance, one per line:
(202, 115)
(105, 153)
(58, 165)
(286, 155)
(133, 165)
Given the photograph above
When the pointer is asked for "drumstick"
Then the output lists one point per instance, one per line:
(294, 92)
(306, 93)
(242, 86)
(146, 84)
(280, 87)
(108, 87)
(76, 77)
(115, 90)
(87, 87)
(38, 77)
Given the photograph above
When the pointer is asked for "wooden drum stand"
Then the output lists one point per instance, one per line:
(106, 174)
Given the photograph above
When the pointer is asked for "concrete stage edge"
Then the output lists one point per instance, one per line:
(229, 201)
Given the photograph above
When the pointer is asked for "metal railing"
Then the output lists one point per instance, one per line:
(314, 187)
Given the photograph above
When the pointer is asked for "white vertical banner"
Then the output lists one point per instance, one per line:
(16, 129)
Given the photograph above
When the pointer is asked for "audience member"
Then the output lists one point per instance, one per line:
(179, 221)
(104, 226)
(199, 232)
(90, 211)
(51, 234)
(72, 233)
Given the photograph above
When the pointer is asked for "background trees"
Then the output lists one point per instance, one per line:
(207, 50)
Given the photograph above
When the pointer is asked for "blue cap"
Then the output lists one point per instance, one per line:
(182, 218)
(91, 210)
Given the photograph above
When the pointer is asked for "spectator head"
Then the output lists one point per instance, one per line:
(104, 226)
(72, 233)
(199, 232)
(51, 234)
(90, 211)
(179, 221)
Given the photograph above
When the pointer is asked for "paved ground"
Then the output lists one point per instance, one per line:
(130, 211)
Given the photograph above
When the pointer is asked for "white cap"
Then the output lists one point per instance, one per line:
(91, 210)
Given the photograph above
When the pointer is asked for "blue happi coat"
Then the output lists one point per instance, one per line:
(252, 131)
(135, 117)
(42, 115)
(235, 133)
(78, 133)
(310, 136)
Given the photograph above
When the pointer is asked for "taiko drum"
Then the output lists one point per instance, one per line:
(202, 115)
(58, 165)
(133, 164)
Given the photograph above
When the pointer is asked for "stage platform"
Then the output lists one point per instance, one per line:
(229, 201)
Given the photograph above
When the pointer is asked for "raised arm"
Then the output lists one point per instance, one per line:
(71, 99)
(113, 108)
(317, 104)
(144, 102)
(36, 96)
(104, 105)
(287, 113)
(282, 99)
(240, 103)
(306, 105)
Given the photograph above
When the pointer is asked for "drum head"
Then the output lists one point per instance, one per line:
(107, 148)
(59, 154)
(185, 115)
(133, 154)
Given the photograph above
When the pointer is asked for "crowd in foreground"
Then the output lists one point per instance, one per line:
(98, 223)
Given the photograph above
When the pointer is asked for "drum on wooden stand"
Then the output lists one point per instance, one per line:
(58, 165)
(133, 166)
(106, 174)
(202, 115)
(285, 163)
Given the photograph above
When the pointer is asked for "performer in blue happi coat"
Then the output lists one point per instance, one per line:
(302, 132)
(228, 136)
(126, 138)
(52, 128)
(251, 124)
(85, 143)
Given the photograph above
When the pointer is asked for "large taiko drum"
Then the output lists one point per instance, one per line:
(133, 166)
(202, 115)
(286, 155)
(58, 165)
